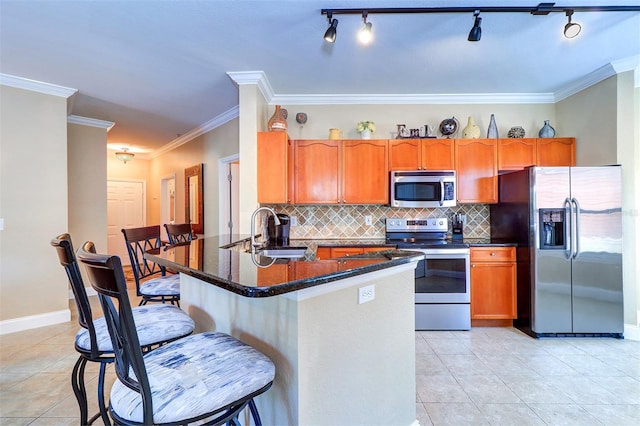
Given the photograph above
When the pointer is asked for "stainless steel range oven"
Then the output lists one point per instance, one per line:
(443, 297)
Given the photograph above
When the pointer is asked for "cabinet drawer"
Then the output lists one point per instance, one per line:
(493, 254)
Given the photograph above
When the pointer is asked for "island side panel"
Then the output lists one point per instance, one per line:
(357, 361)
(337, 361)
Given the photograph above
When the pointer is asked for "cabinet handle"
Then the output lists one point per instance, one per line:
(493, 253)
(473, 266)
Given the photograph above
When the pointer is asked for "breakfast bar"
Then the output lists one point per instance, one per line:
(340, 331)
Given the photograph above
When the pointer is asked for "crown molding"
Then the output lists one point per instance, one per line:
(258, 78)
(218, 121)
(609, 70)
(468, 98)
(36, 86)
(91, 122)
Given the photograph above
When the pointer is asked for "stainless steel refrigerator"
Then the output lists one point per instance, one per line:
(567, 222)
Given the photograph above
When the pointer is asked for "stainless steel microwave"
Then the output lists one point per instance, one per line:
(423, 188)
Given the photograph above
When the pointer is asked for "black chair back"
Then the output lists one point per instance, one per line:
(64, 248)
(179, 232)
(140, 240)
(107, 278)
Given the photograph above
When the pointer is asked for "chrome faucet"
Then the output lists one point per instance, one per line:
(253, 225)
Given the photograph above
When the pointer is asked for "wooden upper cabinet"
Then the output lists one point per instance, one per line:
(516, 153)
(421, 154)
(365, 177)
(476, 168)
(317, 171)
(556, 152)
(404, 154)
(438, 154)
(341, 172)
(275, 152)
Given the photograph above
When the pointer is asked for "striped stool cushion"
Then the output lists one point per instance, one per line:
(154, 323)
(195, 376)
(169, 285)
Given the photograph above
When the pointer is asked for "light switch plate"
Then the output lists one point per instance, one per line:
(294, 220)
(1, 224)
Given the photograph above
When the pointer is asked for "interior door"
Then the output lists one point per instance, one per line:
(125, 209)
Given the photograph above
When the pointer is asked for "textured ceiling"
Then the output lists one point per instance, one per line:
(158, 69)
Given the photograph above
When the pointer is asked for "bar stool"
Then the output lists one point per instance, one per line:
(209, 376)
(163, 288)
(179, 232)
(155, 325)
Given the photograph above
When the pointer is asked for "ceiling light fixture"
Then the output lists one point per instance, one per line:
(330, 34)
(476, 32)
(541, 9)
(124, 155)
(365, 35)
(572, 29)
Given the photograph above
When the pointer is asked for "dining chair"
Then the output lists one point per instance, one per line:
(179, 232)
(162, 288)
(206, 376)
(155, 325)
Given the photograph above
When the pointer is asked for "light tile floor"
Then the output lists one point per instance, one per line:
(493, 376)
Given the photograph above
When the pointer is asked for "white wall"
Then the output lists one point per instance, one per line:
(33, 204)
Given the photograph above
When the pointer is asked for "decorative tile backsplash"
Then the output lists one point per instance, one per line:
(315, 222)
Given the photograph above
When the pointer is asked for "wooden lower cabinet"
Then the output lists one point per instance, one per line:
(493, 283)
(346, 251)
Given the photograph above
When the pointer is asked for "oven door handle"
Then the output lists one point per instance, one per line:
(441, 192)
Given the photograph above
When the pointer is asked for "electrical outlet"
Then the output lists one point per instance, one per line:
(368, 221)
(366, 294)
(294, 220)
(463, 218)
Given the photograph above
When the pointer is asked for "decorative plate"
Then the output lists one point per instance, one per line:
(301, 117)
(516, 132)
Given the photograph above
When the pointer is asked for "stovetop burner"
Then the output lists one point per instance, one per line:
(420, 233)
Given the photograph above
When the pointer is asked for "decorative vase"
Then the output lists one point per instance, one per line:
(516, 132)
(492, 132)
(365, 134)
(471, 131)
(547, 131)
(278, 121)
(335, 134)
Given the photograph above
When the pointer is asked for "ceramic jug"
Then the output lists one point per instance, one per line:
(335, 134)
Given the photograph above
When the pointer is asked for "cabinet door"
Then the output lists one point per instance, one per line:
(553, 152)
(477, 170)
(337, 252)
(493, 290)
(275, 274)
(516, 153)
(437, 154)
(274, 161)
(316, 171)
(404, 154)
(365, 176)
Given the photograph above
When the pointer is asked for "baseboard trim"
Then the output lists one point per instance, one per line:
(631, 332)
(34, 321)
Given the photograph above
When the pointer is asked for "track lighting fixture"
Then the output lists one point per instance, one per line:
(365, 35)
(572, 29)
(476, 32)
(330, 34)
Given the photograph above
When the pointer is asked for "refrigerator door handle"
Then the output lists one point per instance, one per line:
(576, 228)
(568, 233)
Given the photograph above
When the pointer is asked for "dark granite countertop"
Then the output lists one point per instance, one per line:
(236, 270)
(487, 242)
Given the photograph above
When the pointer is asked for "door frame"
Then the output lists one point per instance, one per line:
(224, 193)
(164, 201)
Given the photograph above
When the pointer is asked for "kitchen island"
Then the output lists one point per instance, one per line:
(340, 332)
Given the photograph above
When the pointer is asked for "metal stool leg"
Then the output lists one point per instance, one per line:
(101, 404)
(77, 383)
(254, 413)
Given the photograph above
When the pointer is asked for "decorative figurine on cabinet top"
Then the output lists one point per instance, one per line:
(449, 127)
(547, 131)
(492, 131)
(516, 132)
(366, 128)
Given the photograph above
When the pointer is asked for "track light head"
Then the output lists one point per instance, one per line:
(572, 29)
(365, 35)
(330, 34)
(476, 32)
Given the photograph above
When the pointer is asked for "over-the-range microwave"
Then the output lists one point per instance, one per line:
(423, 188)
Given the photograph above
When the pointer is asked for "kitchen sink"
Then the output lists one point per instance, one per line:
(282, 252)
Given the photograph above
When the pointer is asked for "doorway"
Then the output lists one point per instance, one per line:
(167, 202)
(126, 208)
(229, 170)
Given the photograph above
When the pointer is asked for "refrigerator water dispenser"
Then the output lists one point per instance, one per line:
(552, 229)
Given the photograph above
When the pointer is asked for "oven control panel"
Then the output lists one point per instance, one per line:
(439, 224)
